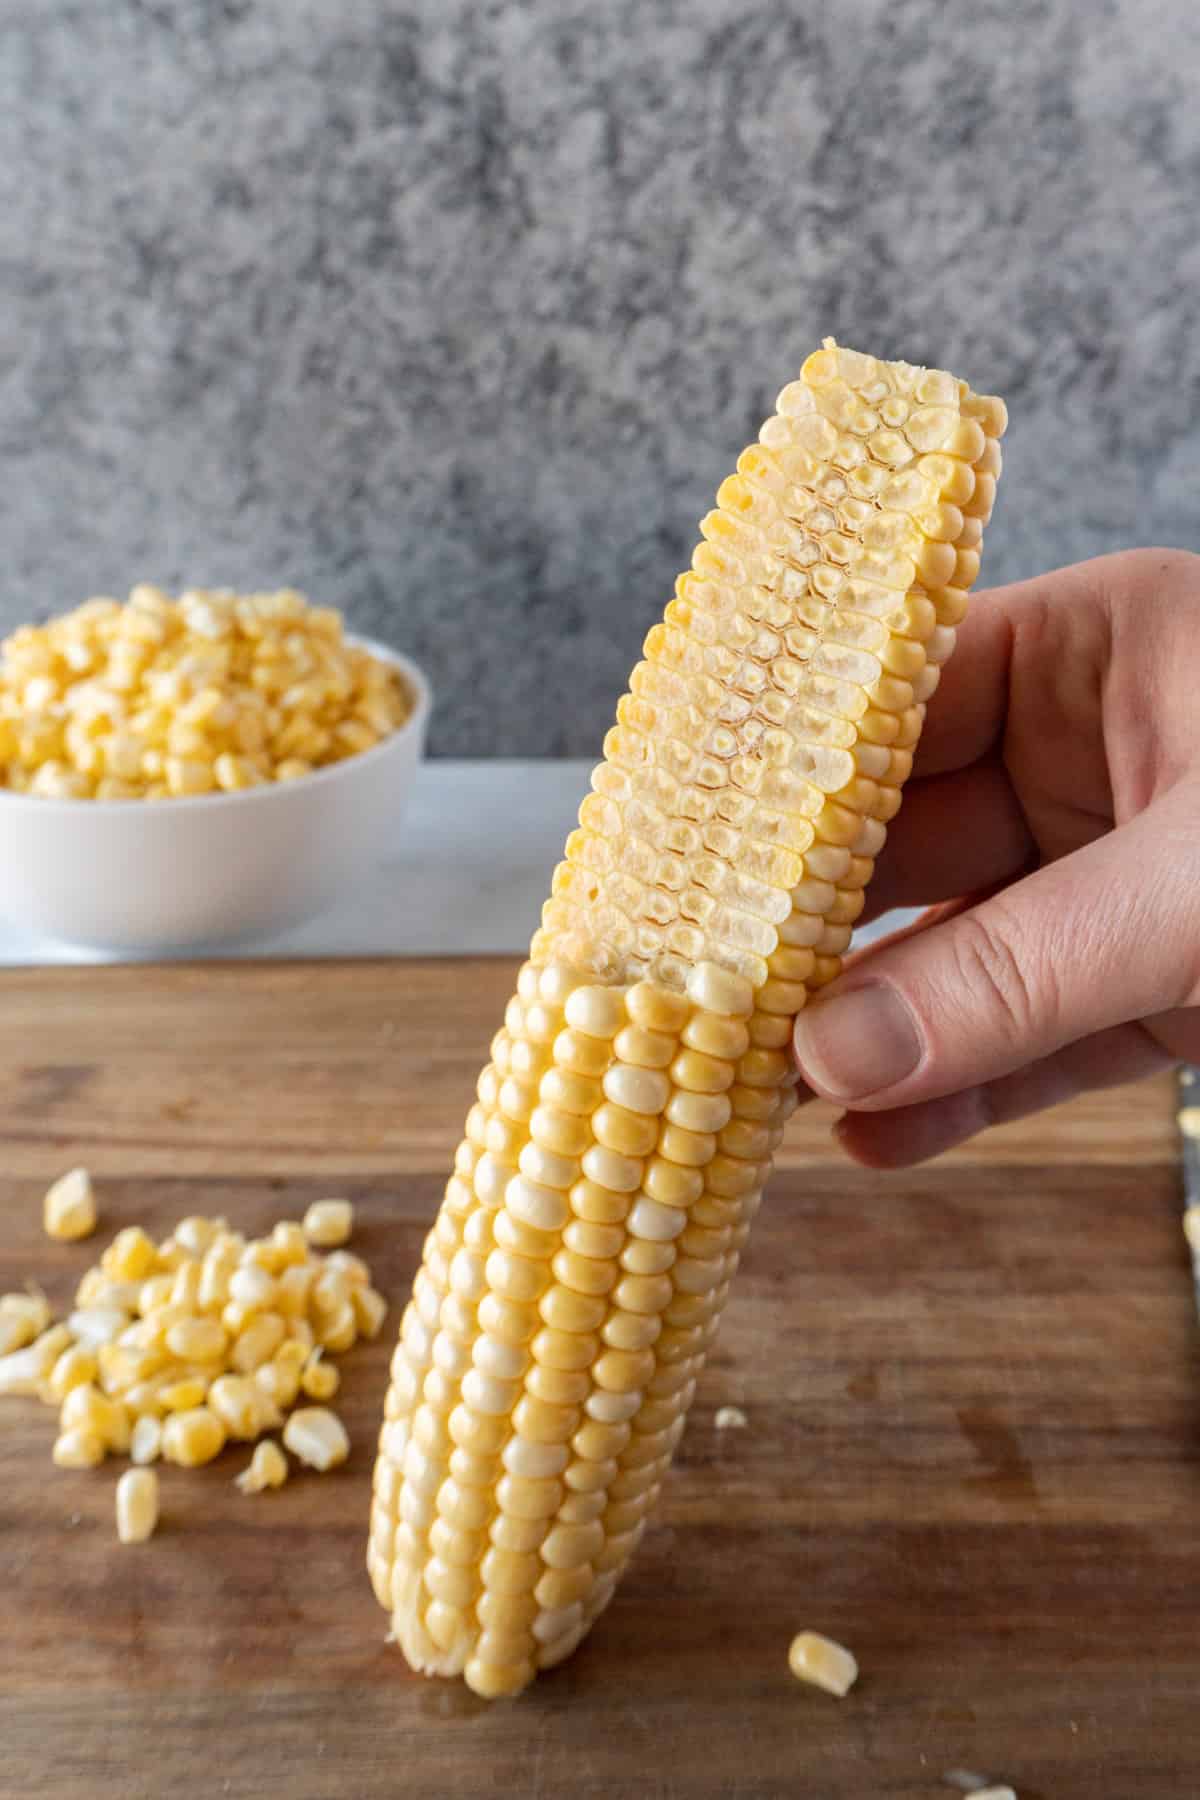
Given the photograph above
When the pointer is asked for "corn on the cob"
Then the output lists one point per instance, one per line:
(625, 1124)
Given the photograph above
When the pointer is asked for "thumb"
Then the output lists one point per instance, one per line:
(1107, 935)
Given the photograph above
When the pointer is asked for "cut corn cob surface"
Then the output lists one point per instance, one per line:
(625, 1124)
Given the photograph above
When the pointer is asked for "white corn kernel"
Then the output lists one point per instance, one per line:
(145, 1442)
(822, 1663)
(317, 1437)
(730, 1418)
(252, 1286)
(23, 1371)
(137, 1505)
(328, 1222)
(69, 1208)
(96, 1325)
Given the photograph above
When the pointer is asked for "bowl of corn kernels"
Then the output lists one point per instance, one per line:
(179, 773)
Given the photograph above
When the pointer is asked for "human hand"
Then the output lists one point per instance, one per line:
(1059, 779)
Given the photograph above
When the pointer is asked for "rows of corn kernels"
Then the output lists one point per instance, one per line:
(626, 1122)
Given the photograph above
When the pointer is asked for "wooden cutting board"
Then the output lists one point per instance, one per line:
(971, 1449)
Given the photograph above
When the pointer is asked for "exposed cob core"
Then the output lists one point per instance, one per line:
(625, 1124)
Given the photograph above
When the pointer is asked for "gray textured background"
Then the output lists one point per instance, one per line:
(455, 314)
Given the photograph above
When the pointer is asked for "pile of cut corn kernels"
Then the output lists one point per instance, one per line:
(177, 1348)
(160, 698)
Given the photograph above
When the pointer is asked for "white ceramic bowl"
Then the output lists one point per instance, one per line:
(143, 878)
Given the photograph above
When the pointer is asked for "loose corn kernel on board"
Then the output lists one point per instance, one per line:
(971, 1401)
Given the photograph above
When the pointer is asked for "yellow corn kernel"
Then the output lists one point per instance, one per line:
(137, 1505)
(69, 1208)
(196, 1234)
(154, 1294)
(278, 1382)
(193, 1437)
(184, 1395)
(238, 1404)
(316, 1436)
(822, 1663)
(319, 1380)
(131, 1256)
(197, 1340)
(330, 1291)
(370, 1310)
(78, 1448)
(291, 1243)
(86, 1408)
(76, 1367)
(23, 1317)
(267, 1468)
(338, 1331)
(292, 1290)
(328, 1223)
(352, 1268)
(257, 1342)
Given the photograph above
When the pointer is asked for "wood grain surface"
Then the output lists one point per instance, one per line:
(971, 1454)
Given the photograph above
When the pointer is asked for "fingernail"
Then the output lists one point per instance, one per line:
(857, 1044)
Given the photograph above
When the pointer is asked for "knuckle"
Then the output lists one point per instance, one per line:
(992, 967)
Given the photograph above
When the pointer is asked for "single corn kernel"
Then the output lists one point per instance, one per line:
(96, 1325)
(317, 1437)
(69, 1208)
(289, 1239)
(86, 1408)
(319, 1379)
(258, 1342)
(74, 1368)
(23, 1317)
(252, 1287)
(822, 1663)
(197, 1340)
(352, 1268)
(339, 1331)
(191, 1438)
(78, 1449)
(370, 1310)
(267, 1468)
(137, 1505)
(145, 1443)
(183, 1395)
(238, 1403)
(131, 1256)
(195, 1234)
(24, 1371)
(328, 1223)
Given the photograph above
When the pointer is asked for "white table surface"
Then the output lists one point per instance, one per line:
(467, 873)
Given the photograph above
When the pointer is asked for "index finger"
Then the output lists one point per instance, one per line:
(966, 715)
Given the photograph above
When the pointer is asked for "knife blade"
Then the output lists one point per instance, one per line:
(1187, 1115)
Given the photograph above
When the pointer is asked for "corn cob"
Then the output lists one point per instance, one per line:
(625, 1124)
